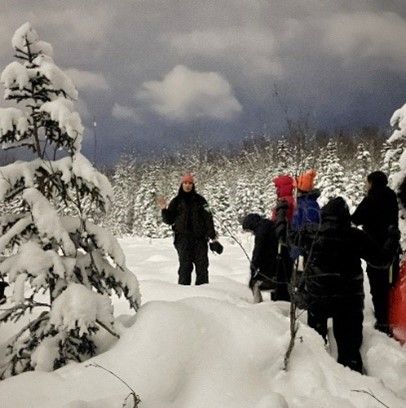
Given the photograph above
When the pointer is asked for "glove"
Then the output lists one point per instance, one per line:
(216, 247)
(254, 271)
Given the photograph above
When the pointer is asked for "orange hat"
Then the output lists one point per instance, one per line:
(305, 182)
(187, 178)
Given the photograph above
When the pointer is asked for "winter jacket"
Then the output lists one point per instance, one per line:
(189, 215)
(284, 191)
(307, 210)
(334, 276)
(265, 247)
(376, 212)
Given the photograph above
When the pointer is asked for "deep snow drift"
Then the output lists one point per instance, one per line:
(209, 346)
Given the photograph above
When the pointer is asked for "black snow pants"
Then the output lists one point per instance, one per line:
(380, 289)
(192, 251)
(347, 328)
(284, 270)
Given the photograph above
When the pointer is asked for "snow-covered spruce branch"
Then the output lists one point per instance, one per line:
(52, 247)
(135, 397)
(15, 312)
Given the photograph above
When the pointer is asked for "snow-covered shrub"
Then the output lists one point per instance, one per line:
(61, 268)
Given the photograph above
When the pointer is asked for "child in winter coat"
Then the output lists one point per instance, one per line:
(334, 277)
(285, 185)
(307, 209)
(282, 216)
(263, 260)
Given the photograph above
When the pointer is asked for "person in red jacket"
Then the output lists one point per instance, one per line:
(285, 186)
(282, 216)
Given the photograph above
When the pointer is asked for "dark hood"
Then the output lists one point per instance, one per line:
(251, 221)
(336, 211)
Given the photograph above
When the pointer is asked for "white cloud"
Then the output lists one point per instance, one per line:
(87, 80)
(83, 110)
(184, 95)
(252, 48)
(367, 35)
(123, 112)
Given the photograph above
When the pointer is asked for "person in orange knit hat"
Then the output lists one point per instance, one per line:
(305, 182)
(307, 208)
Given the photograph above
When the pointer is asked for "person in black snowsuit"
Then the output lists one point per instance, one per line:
(333, 277)
(192, 222)
(376, 212)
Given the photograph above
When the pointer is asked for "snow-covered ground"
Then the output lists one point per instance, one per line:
(211, 347)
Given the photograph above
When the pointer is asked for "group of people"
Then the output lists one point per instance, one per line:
(320, 245)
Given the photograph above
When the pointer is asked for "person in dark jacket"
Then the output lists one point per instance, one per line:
(192, 222)
(334, 277)
(263, 259)
(269, 270)
(376, 212)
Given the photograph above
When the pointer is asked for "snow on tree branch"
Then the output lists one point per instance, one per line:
(79, 307)
(74, 262)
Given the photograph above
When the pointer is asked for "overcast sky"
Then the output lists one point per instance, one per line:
(156, 73)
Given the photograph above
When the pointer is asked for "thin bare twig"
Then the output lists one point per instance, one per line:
(372, 395)
(136, 398)
(113, 333)
(232, 236)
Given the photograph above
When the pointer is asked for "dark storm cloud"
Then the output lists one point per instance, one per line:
(156, 73)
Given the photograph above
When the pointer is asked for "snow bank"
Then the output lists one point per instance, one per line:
(209, 346)
(201, 353)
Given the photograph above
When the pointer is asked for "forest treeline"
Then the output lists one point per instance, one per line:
(236, 183)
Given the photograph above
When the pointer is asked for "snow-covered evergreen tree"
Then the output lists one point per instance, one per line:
(121, 216)
(217, 195)
(331, 178)
(361, 167)
(284, 157)
(395, 156)
(62, 269)
(395, 161)
(147, 216)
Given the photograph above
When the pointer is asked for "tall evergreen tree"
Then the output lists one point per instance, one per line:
(332, 179)
(62, 269)
(360, 167)
(395, 160)
(395, 156)
(121, 216)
